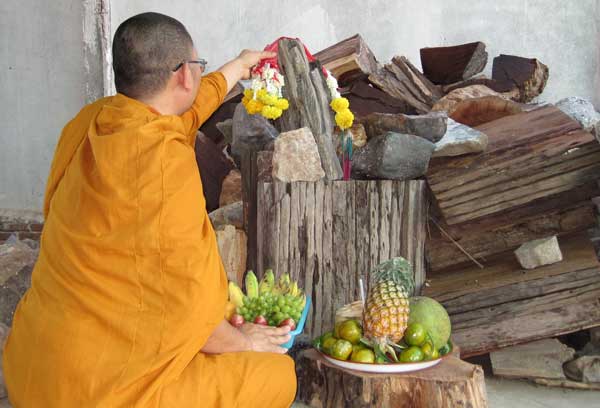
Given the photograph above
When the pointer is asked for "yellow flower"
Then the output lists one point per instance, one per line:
(271, 112)
(282, 104)
(253, 106)
(344, 119)
(339, 104)
(268, 99)
(248, 93)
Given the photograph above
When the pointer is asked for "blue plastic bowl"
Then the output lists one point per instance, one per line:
(299, 325)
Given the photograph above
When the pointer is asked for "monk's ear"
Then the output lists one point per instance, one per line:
(187, 78)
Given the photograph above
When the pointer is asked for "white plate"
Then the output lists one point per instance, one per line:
(382, 368)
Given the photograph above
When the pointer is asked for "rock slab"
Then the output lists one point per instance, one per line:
(538, 253)
(249, 133)
(232, 214)
(460, 139)
(17, 260)
(231, 190)
(296, 157)
(431, 126)
(585, 369)
(233, 244)
(583, 112)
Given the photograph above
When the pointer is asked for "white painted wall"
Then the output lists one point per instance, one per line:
(565, 35)
(49, 67)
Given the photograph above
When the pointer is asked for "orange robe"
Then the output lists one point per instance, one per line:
(129, 283)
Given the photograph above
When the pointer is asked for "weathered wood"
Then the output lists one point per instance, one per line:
(561, 214)
(530, 156)
(452, 383)
(309, 99)
(343, 230)
(348, 60)
(446, 65)
(365, 99)
(501, 305)
(528, 74)
(214, 166)
(401, 80)
(477, 111)
(508, 90)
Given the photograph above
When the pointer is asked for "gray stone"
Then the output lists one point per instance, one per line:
(226, 129)
(538, 359)
(583, 112)
(232, 214)
(540, 252)
(250, 133)
(595, 336)
(585, 369)
(233, 244)
(296, 157)
(460, 139)
(431, 126)
(394, 156)
(17, 260)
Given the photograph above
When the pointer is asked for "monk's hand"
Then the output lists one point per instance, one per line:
(266, 338)
(249, 58)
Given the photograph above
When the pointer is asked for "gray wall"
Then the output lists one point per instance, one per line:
(44, 82)
(51, 60)
(562, 34)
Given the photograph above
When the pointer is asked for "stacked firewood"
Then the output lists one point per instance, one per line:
(511, 180)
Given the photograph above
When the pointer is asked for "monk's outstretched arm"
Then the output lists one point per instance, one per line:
(250, 337)
(240, 67)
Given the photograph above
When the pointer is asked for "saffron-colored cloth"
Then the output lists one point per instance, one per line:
(129, 283)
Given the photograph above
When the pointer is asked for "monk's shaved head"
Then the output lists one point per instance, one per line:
(146, 49)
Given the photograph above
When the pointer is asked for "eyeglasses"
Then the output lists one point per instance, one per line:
(200, 61)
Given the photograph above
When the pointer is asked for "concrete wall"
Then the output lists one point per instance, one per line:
(44, 82)
(562, 34)
(51, 53)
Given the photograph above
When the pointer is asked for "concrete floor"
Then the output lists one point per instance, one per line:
(517, 394)
(522, 394)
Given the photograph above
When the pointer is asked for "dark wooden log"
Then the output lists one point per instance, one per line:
(530, 155)
(309, 99)
(451, 383)
(445, 65)
(528, 74)
(560, 214)
(348, 60)
(502, 305)
(225, 112)
(401, 80)
(365, 99)
(214, 166)
(329, 235)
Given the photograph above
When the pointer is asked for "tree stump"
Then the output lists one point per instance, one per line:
(452, 383)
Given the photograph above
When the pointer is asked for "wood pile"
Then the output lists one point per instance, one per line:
(465, 164)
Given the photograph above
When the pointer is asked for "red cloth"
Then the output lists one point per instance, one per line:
(274, 63)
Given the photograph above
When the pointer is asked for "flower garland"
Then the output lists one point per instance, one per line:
(265, 95)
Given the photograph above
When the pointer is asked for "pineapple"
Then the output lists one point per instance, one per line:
(386, 313)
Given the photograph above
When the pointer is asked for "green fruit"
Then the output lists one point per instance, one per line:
(433, 317)
(429, 351)
(415, 335)
(350, 330)
(327, 344)
(341, 349)
(411, 355)
(363, 356)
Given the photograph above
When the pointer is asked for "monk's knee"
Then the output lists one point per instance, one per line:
(285, 378)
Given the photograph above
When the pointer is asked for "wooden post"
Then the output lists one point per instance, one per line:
(452, 383)
(309, 98)
(328, 235)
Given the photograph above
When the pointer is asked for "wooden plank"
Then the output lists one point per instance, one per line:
(529, 74)
(420, 236)
(374, 220)
(300, 264)
(385, 200)
(502, 305)
(363, 232)
(310, 265)
(283, 265)
(319, 277)
(350, 243)
(348, 60)
(340, 235)
(329, 267)
(294, 251)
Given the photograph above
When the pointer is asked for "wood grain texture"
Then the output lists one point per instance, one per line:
(447, 65)
(452, 383)
(331, 234)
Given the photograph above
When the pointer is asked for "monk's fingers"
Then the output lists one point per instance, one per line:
(267, 54)
(280, 339)
(277, 331)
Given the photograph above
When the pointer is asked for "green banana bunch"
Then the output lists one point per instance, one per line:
(236, 296)
(267, 283)
(251, 285)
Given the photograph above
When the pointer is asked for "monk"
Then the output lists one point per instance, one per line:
(126, 306)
